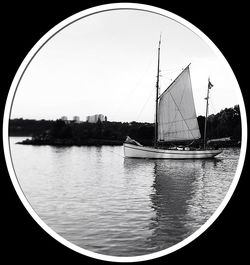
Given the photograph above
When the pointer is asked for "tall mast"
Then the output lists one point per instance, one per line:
(157, 95)
(207, 98)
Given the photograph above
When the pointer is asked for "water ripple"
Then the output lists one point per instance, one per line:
(123, 207)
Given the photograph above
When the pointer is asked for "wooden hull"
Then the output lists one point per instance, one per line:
(134, 151)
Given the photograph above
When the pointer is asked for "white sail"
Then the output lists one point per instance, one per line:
(177, 119)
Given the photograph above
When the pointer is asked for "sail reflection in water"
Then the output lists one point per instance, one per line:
(180, 201)
(185, 194)
(99, 201)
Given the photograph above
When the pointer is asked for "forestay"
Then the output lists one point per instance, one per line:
(177, 119)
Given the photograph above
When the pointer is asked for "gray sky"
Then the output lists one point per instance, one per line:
(106, 63)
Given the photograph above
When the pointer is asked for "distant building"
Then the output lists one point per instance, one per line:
(95, 118)
(65, 119)
(76, 119)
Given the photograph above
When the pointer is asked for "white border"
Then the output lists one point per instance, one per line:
(8, 106)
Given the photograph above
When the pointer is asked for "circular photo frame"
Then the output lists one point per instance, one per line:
(155, 208)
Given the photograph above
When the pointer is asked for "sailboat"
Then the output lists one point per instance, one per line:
(175, 122)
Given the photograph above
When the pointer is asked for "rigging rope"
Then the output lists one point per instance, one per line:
(144, 105)
(135, 87)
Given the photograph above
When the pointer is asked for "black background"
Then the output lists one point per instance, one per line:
(22, 25)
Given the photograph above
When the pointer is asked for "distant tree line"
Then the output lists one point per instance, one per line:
(115, 132)
(28, 127)
(226, 123)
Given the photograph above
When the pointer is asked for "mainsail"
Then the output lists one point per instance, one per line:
(177, 119)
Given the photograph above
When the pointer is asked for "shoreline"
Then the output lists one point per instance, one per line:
(104, 142)
(70, 142)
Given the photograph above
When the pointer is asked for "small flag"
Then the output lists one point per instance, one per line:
(210, 85)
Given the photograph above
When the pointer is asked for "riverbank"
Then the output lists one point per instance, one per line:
(70, 142)
(105, 142)
(224, 125)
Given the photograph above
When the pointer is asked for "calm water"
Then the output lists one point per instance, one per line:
(100, 201)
